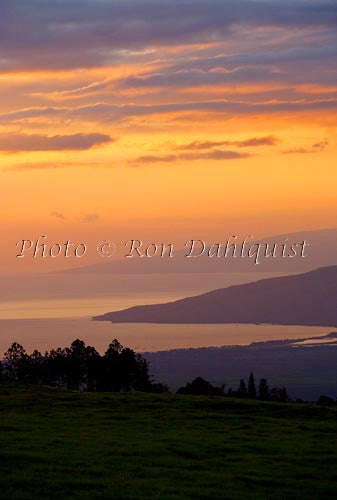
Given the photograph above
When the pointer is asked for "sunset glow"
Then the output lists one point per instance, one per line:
(222, 117)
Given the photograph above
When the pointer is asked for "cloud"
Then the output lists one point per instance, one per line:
(86, 33)
(281, 54)
(89, 218)
(58, 215)
(212, 155)
(184, 78)
(254, 141)
(320, 145)
(16, 142)
(105, 112)
(298, 151)
(44, 165)
(22, 167)
(290, 66)
(257, 141)
(217, 154)
(155, 159)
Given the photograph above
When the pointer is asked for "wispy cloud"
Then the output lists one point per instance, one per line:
(320, 145)
(45, 165)
(105, 112)
(314, 148)
(296, 151)
(57, 215)
(254, 141)
(89, 218)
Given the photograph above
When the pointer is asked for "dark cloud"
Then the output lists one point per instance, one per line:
(254, 141)
(211, 155)
(16, 142)
(83, 33)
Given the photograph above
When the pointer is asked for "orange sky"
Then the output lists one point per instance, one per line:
(169, 138)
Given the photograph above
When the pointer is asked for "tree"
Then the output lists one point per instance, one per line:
(128, 370)
(125, 370)
(57, 371)
(264, 389)
(36, 368)
(242, 390)
(200, 386)
(251, 387)
(78, 368)
(15, 359)
(279, 394)
(111, 379)
(115, 347)
(159, 387)
(325, 401)
(94, 368)
(284, 397)
(141, 377)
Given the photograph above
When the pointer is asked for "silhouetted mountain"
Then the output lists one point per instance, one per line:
(304, 299)
(321, 251)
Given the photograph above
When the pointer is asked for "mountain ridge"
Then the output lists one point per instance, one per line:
(321, 252)
(304, 299)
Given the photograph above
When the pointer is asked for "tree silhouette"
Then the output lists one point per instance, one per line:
(284, 398)
(77, 365)
(15, 360)
(242, 390)
(251, 387)
(80, 367)
(279, 394)
(200, 386)
(112, 367)
(264, 389)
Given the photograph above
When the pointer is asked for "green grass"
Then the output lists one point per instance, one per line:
(62, 445)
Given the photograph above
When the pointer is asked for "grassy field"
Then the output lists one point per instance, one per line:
(62, 445)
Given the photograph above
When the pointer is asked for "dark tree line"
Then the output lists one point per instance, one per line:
(262, 392)
(80, 367)
(200, 386)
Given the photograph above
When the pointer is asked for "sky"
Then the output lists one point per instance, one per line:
(166, 120)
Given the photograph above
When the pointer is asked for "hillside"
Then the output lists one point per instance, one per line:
(304, 299)
(84, 446)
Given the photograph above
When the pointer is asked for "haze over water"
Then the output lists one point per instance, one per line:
(46, 311)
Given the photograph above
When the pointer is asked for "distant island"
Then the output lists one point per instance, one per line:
(304, 299)
(321, 252)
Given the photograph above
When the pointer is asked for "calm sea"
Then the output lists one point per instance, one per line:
(51, 310)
